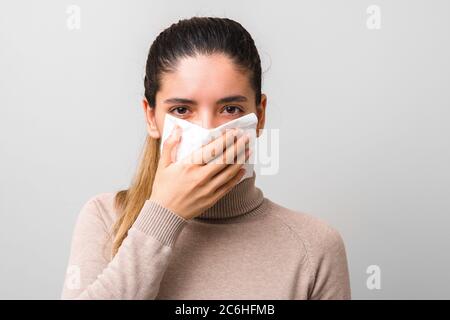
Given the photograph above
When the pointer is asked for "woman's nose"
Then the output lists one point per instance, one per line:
(206, 121)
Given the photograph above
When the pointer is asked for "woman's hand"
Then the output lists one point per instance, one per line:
(196, 183)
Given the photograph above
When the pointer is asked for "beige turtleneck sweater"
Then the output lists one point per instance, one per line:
(244, 247)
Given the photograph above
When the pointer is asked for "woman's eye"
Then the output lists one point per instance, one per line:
(232, 109)
(180, 110)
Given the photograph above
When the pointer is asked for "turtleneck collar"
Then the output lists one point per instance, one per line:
(244, 199)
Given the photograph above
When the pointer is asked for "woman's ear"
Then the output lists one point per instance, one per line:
(150, 119)
(261, 114)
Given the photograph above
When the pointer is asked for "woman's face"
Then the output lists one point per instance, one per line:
(205, 90)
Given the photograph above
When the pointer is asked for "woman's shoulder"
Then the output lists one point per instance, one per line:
(315, 233)
(99, 208)
(325, 251)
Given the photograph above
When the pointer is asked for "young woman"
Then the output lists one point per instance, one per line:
(192, 230)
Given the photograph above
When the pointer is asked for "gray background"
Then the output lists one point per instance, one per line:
(363, 116)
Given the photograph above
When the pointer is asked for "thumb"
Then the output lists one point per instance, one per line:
(169, 149)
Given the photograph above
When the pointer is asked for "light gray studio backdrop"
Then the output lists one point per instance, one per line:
(363, 114)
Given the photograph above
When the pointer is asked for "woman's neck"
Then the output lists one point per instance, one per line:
(243, 199)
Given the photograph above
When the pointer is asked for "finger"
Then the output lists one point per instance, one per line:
(234, 154)
(168, 153)
(230, 171)
(211, 150)
(226, 187)
(216, 148)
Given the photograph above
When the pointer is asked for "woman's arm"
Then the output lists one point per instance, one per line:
(136, 270)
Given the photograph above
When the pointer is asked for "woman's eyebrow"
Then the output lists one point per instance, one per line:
(234, 98)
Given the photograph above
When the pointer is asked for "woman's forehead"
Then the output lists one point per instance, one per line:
(205, 77)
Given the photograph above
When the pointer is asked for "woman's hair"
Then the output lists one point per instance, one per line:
(186, 38)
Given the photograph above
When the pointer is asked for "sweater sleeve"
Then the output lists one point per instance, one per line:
(331, 279)
(136, 270)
